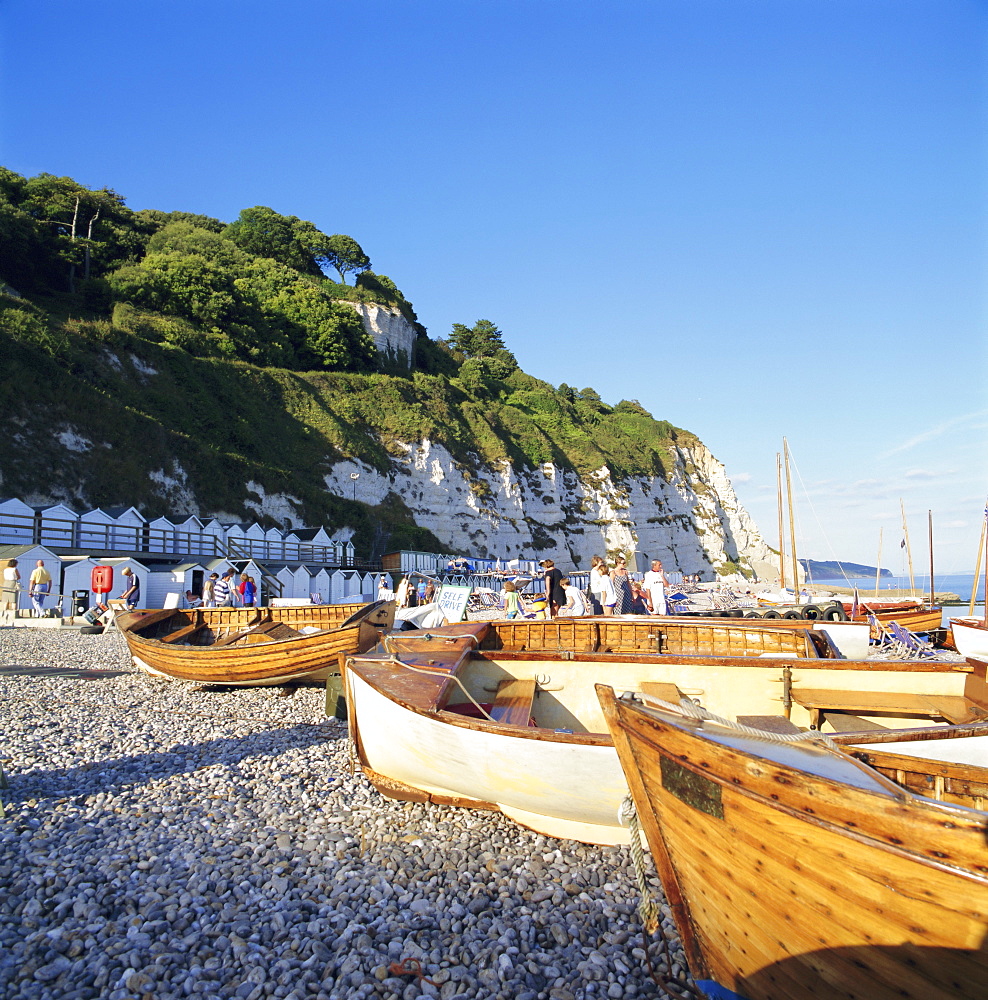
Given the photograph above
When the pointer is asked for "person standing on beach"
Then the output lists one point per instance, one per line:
(511, 606)
(622, 586)
(132, 594)
(601, 587)
(654, 585)
(554, 594)
(11, 585)
(40, 588)
(208, 591)
(223, 591)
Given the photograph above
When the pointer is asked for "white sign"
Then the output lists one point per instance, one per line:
(452, 602)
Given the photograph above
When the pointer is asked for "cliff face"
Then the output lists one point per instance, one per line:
(693, 522)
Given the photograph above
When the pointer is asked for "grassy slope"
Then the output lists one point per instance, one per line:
(225, 423)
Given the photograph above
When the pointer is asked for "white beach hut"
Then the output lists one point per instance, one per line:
(57, 525)
(274, 544)
(16, 522)
(213, 539)
(95, 530)
(290, 546)
(315, 545)
(27, 557)
(188, 536)
(319, 583)
(167, 585)
(128, 532)
(160, 535)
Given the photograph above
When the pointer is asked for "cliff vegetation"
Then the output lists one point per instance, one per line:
(175, 362)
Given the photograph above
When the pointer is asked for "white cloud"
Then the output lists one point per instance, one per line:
(934, 432)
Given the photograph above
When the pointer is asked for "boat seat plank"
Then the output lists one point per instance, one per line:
(263, 628)
(770, 723)
(513, 703)
(665, 690)
(147, 619)
(182, 633)
(844, 722)
(953, 708)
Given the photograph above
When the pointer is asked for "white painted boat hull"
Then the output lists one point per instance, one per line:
(970, 637)
(851, 638)
(555, 787)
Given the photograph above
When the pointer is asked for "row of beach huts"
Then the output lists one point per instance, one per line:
(165, 585)
(126, 529)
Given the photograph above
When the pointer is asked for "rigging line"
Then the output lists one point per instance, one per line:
(816, 517)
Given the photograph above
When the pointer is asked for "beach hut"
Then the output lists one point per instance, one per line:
(274, 544)
(16, 522)
(315, 545)
(160, 535)
(188, 537)
(256, 540)
(77, 575)
(27, 557)
(319, 584)
(213, 539)
(128, 531)
(166, 585)
(56, 526)
(289, 546)
(95, 530)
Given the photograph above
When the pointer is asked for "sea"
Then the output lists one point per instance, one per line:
(951, 583)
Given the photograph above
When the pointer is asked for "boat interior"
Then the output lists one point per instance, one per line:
(249, 626)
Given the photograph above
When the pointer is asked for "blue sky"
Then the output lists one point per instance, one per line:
(759, 219)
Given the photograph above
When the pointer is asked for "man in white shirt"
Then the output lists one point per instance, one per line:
(655, 584)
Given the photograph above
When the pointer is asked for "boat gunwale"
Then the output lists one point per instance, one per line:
(963, 819)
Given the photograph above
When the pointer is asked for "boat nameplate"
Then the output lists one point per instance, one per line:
(692, 788)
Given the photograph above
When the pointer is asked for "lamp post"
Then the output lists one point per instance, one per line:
(354, 476)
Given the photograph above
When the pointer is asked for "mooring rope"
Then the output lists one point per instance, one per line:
(689, 708)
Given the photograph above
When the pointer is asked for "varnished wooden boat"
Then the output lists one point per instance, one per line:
(913, 615)
(798, 872)
(537, 747)
(211, 646)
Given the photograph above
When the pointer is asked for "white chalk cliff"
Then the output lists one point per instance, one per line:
(692, 522)
(391, 332)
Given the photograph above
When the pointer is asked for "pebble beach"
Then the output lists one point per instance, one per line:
(164, 840)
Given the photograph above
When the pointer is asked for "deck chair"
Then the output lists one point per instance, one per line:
(910, 641)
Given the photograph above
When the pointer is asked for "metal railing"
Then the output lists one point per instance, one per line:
(64, 533)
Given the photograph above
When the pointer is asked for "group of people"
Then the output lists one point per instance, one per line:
(39, 587)
(226, 591)
(407, 594)
(611, 591)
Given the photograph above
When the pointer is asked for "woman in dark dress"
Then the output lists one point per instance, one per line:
(555, 594)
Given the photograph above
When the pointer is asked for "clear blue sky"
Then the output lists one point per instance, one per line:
(757, 218)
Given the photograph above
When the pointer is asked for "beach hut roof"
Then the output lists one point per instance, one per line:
(118, 512)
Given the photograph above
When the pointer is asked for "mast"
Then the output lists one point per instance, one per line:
(909, 551)
(782, 547)
(930, 517)
(878, 568)
(792, 523)
(977, 569)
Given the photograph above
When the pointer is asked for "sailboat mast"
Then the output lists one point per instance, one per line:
(878, 568)
(977, 568)
(782, 547)
(909, 551)
(930, 517)
(792, 523)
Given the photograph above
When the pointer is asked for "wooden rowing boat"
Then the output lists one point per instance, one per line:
(468, 716)
(213, 646)
(796, 871)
